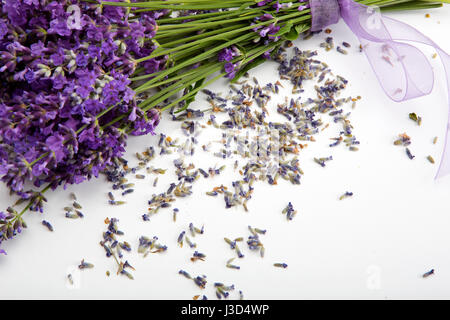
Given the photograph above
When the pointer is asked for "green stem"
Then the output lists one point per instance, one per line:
(30, 203)
(200, 36)
(151, 6)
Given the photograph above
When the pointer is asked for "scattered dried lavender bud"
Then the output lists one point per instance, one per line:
(341, 51)
(146, 245)
(322, 161)
(185, 274)
(238, 251)
(288, 211)
(116, 203)
(127, 186)
(409, 154)
(71, 215)
(222, 291)
(127, 274)
(198, 256)
(128, 191)
(232, 266)
(85, 265)
(304, 122)
(79, 214)
(181, 238)
(47, 225)
(190, 243)
(403, 140)
(280, 265)
(70, 279)
(257, 230)
(113, 248)
(346, 195)
(76, 205)
(200, 281)
(427, 274)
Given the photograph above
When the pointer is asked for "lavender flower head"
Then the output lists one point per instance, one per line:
(64, 69)
(57, 76)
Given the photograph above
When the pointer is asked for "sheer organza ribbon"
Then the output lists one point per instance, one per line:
(402, 69)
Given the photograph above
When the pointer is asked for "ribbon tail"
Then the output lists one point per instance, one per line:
(444, 166)
(402, 69)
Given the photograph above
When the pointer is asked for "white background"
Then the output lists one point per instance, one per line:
(375, 245)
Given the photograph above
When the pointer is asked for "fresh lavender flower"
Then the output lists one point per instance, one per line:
(230, 68)
(66, 78)
(63, 83)
(227, 54)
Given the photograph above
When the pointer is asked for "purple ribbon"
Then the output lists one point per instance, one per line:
(402, 69)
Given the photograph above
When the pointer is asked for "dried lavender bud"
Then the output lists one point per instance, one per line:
(185, 274)
(428, 273)
(403, 140)
(288, 211)
(409, 154)
(47, 225)
(85, 265)
(280, 265)
(76, 205)
(347, 194)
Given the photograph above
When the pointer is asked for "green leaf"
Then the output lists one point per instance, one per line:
(192, 98)
(292, 35)
(302, 28)
(296, 31)
(286, 29)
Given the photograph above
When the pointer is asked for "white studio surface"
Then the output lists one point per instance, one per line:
(375, 245)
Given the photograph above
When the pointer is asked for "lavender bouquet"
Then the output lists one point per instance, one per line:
(77, 77)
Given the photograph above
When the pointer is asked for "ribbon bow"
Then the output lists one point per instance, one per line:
(402, 69)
